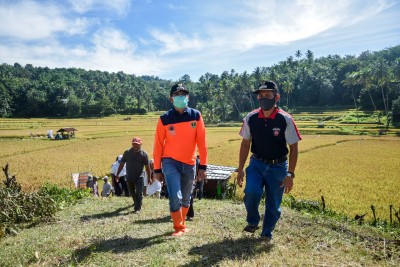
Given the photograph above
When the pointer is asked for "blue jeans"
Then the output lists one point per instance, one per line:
(179, 177)
(260, 175)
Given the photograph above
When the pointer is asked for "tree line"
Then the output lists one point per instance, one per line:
(369, 81)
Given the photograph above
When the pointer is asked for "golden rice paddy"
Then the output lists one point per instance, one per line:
(351, 172)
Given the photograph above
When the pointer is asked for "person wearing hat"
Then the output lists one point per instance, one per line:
(179, 131)
(135, 159)
(107, 188)
(273, 138)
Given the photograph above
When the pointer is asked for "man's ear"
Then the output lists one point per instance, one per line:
(171, 100)
(277, 97)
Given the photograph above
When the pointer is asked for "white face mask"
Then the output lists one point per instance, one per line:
(180, 101)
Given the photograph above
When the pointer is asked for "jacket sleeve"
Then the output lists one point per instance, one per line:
(158, 148)
(202, 144)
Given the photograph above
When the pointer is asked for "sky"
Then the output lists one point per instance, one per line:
(171, 38)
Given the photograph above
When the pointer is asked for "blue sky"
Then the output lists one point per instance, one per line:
(171, 38)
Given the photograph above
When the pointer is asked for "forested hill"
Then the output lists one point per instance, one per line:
(369, 81)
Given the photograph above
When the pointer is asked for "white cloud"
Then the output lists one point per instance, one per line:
(176, 7)
(82, 6)
(58, 56)
(176, 41)
(113, 40)
(31, 21)
(121, 7)
(244, 25)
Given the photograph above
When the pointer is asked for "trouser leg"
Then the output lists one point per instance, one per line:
(138, 193)
(179, 178)
(253, 192)
(274, 193)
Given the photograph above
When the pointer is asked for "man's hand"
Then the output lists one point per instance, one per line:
(160, 177)
(287, 183)
(116, 178)
(202, 175)
(240, 177)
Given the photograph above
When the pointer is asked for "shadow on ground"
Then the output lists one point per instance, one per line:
(116, 245)
(239, 249)
(155, 220)
(109, 214)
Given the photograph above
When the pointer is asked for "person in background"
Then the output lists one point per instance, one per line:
(190, 214)
(94, 187)
(154, 188)
(146, 179)
(135, 159)
(120, 187)
(199, 187)
(89, 181)
(107, 188)
(268, 131)
(178, 132)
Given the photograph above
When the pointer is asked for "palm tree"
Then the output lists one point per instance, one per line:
(350, 81)
(310, 56)
(382, 76)
(298, 54)
(288, 89)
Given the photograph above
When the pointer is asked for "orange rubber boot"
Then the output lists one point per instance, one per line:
(178, 223)
(184, 213)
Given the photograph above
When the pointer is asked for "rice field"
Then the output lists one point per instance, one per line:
(350, 171)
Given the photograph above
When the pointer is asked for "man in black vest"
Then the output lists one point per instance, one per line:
(268, 130)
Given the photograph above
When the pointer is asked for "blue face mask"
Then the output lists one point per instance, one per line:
(180, 101)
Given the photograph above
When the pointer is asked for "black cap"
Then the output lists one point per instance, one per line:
(178, 87)
(266, 85)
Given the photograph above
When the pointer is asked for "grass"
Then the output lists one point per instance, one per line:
(105, 232)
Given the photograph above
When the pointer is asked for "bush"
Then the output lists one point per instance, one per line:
(19, 207)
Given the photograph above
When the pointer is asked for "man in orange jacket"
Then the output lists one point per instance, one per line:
(178, 132)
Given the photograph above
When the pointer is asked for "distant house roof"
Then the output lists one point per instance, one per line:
(67, 129)
(216, 172)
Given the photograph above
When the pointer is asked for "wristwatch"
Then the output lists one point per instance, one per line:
(290, 174)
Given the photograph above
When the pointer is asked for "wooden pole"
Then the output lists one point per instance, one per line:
(373, 212)
(391, 216)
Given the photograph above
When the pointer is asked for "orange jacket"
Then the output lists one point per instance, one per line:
(177, 136)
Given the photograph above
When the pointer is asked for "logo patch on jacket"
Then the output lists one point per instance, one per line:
(193, 124)
(276, 131)
(171, 130)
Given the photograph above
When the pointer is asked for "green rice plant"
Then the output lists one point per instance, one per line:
(63, 196)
